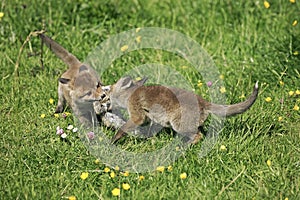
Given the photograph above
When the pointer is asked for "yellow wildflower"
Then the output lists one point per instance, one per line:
(138, 39)
(67, 113)
(138, 78)
(170, 168)
(291, 93)
(296, 107)
(242, 96)
(43, 116)
(297, 92)
(295, 22)
(223, 148)
(222, 89)
(56, 115)
(51, 101)
(117, 168)
(106, 170)
(71, 198)
(183, 175)
(141, 178)
(1, 15)
(126, 173)
(281, 82)
(184, 67)
(115, 192)
(280, 118)
(137, 30)
(221, 77)
(97, 161)
(269, 163)
(84, 175)
(266, 4)
(125, 186)
(286, 198)
(293, 1)
(296, 53)
(112, 174)
(160, 168)
(124, 48)
(268, 99)
(199, 83)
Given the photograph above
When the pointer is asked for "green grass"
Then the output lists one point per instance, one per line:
(246, 41)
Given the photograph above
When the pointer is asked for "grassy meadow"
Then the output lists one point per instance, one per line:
(257, 154)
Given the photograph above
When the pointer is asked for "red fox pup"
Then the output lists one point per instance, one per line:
(179, 109)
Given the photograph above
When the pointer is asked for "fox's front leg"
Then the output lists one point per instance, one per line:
(127, 127)
(134, 121)
(61, 99)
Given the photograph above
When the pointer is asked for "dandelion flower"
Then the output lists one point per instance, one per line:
(117, 168)
(170, 168)
(137, 30)
(223, 148)
(184, 67)
(242, 96)
(71, 198)
(291, 93)
(296, 53)
(280, 118)
(222, 89)
(221, 77)
(125, 186)
(70, 127)
(124, 48)
(112, 174)
(160, 168)
(268, 99)
(266, 4)
(115, 192)
(84, 175)
(138, 39)
(297, 92)
(126, 173)
(199, 83)
(281, 82)
(296, 107)
(106, 170)
(43, 116)
(1, 15)
(97, 161)
(269, 163)
(141, 178)
(51, 101)
(56, 115)
(295, 22)
(183, 175)
(293, 1)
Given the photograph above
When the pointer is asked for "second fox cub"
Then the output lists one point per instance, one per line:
(179, 109)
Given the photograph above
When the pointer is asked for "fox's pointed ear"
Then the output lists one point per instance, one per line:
(82, 68)
(126, 82)
(64, 80)
(142, 81)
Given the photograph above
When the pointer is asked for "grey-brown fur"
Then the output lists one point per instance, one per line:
(182, 110)
(79, 86)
